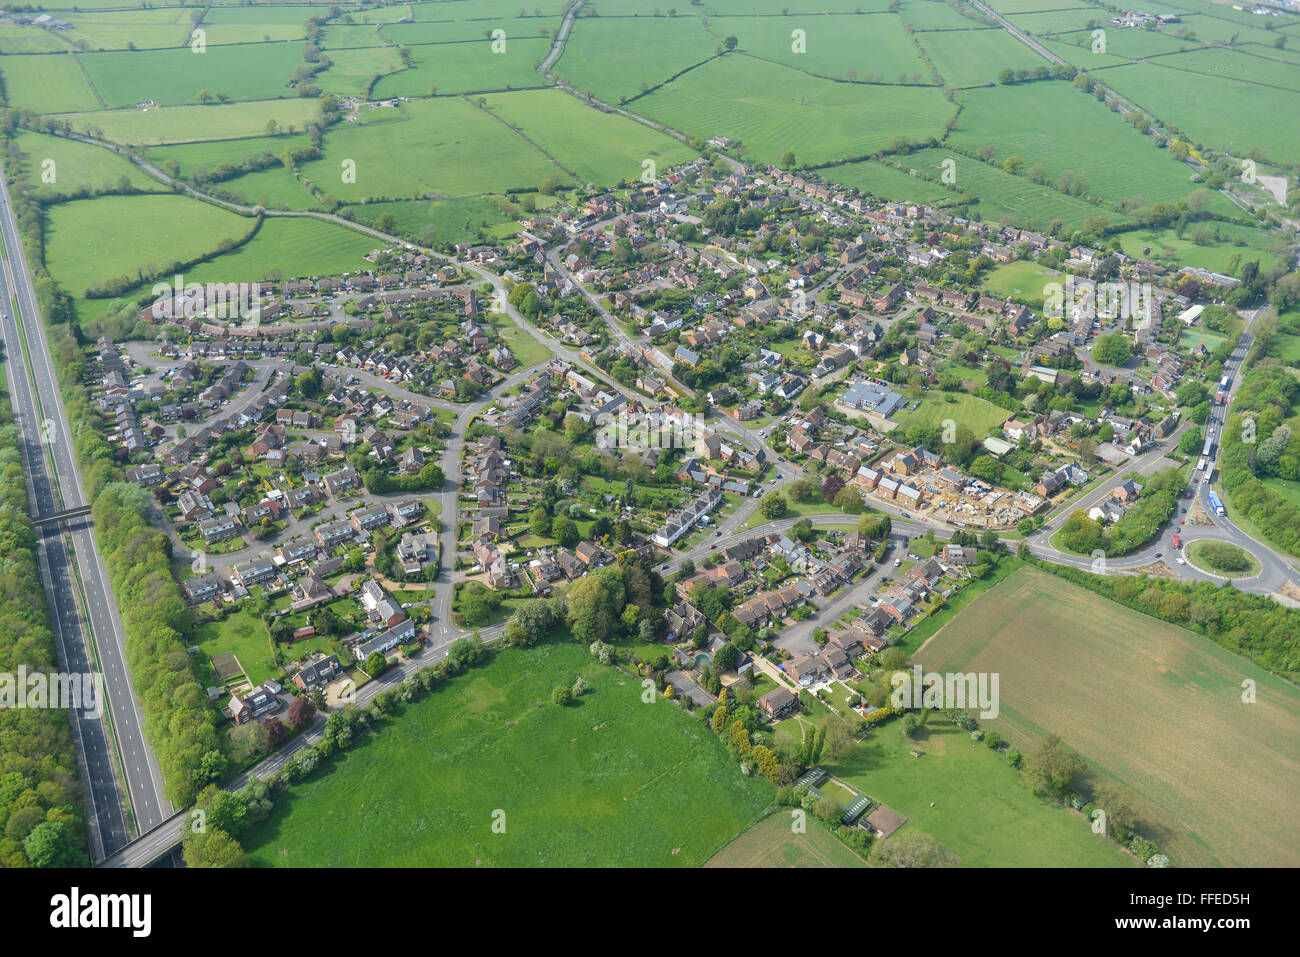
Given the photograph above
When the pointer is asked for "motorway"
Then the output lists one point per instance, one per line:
(44, 430)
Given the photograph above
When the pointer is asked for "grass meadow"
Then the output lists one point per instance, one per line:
(599, 148)
(772, 109)
(1146, 703)
(76, 166)
(47, 83)
(605, 781)
(463, 151)
(1054, 124)
(84, 239)
(971, 411)
(193, 124)
(610, 56)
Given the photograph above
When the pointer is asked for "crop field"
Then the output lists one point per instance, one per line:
(600, 148)
(1063, 129)
(191, 124)
(76, 166)
(979, 415)
(463, 151)
(84, 239)
(476, 10)
(286, 248)
(772, 109)
(865, 46)
(48, 83)
(1222, 112)
(1146, 703)
(250, 71)
(466, 68)
(983, 811)
(617, 57)
(772, 843)
(1004, 196)
(972, 57)
(604, 781)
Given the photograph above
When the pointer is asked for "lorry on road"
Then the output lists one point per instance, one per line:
(1215, 504)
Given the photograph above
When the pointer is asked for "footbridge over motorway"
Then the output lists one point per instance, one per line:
(67, 513)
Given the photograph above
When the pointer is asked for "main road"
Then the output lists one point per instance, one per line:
(89, 634)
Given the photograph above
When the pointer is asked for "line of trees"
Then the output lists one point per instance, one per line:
(41, 823)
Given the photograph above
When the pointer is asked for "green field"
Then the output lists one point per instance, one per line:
(77, 166)
(886, 182)
(468, 67)
(599, 148)
(251, 71)
(1053, 124)
(1166, 244)
(274, 188)
(983, 811)
(462, 151)
(289, 247)
(772, 842)
(84, 246)
(16, 39)
(972, 57)
(870, 46)
(610, 56)
(48, 83)
(605, 781)
(476, 29)
(113, 30)
(352, 71)
(1221, 111)
(192, 124)
(242, 633)
(1145, 702)
(206, 156)
(772, 109)
(442, 220)
(1024, 280)
(1002, 196)
(971, 411)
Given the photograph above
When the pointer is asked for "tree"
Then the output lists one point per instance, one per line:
(1190, 442)
(595, 603)
(300, 713)
(727, 657)
(375, 663)
(730, 44)
(1112, 349)
(539, 522)
(773, 506)
(1120, 806)
(52, 844)
(213, 848)
(912, 849)
(564, 531)
(1052, 767)
(276, 733)
(562, 695)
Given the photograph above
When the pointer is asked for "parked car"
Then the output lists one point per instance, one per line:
(1180, 561)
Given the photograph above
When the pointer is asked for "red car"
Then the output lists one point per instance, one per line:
(1189, 494)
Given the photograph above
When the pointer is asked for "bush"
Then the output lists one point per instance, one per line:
(561, 695)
